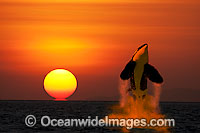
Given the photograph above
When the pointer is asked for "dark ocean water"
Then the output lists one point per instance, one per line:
(13, 114)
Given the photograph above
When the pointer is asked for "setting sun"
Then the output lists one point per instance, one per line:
(60, 84)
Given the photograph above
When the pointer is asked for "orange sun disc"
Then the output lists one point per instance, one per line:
(60, 84)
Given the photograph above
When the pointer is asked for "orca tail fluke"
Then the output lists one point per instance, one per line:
(153, 74)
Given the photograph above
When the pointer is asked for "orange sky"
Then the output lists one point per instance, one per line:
(95, 41)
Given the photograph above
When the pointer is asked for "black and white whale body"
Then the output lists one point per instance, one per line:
(138, 70)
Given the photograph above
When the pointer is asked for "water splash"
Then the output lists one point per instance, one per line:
(156, 95)
(129, 107)
(124, 86)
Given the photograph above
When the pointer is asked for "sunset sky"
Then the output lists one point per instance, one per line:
(95, 40)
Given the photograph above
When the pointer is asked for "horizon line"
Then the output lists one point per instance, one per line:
(100, 101)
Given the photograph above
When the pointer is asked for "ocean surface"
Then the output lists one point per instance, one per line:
(13, 114)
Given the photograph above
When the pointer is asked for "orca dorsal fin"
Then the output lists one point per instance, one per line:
(152, 73)
(128, 70)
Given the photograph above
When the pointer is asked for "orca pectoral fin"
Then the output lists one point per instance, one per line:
(128, 70)
(152, 74)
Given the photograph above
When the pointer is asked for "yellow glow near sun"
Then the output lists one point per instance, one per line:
(61, 52)
(60, 83)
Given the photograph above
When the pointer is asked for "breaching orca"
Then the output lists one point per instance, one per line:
(138, 70)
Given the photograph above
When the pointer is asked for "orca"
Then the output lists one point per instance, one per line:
(138, 70)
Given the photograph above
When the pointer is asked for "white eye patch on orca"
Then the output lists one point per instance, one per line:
(138, 70)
